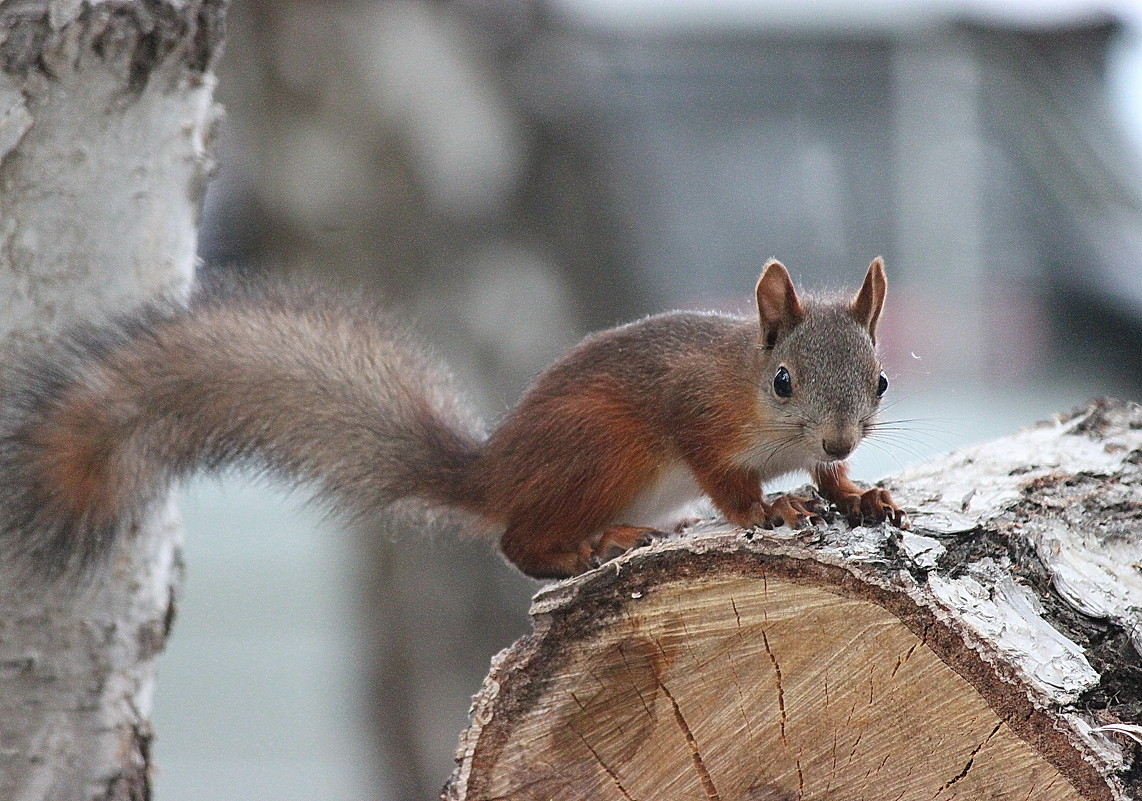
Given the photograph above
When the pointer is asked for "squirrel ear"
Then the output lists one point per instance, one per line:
(777, 304)
(866, 306)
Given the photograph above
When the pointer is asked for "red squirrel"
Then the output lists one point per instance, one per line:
(319, 390)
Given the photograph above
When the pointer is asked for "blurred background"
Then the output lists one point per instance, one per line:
(514, 173)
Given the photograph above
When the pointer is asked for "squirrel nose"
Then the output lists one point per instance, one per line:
(838, 448)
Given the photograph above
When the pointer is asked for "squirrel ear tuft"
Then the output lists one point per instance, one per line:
(869, 302)
(778, 307)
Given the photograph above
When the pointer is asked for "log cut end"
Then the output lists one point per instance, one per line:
(836, 663)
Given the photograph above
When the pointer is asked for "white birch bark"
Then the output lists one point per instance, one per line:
(106, 114)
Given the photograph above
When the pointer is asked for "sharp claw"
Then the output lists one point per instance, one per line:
(644, 541)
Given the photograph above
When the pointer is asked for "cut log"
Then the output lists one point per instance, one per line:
(991, 652)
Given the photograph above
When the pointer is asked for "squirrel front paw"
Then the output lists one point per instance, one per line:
(872, 506)
(786, 510)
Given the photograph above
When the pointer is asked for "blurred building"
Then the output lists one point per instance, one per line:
(513, 173)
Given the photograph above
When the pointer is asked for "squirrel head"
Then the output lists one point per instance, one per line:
(824, 381)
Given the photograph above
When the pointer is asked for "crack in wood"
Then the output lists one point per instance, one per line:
(602, 685)
(800, 777)
(780, 688)
(868, 774)
(634, 684)
(851, 712)
(695, 752)
(737, 678)
(971, 760)
(833, 767)
(742, 703)
(606, 768)
(856, 743)
(689, 640)
(901, 660)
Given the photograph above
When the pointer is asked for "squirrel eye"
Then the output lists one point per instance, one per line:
(882, 385)
(783, 383)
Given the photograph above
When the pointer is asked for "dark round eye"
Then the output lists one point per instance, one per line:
(783, 383)
(882, 385)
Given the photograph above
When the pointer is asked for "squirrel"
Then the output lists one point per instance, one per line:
(316, 389)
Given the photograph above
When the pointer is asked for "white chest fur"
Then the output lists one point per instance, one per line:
(661, 505)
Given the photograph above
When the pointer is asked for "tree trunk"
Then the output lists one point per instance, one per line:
(105, 120)
(978, 655)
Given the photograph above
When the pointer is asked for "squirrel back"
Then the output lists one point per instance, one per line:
(315, 389)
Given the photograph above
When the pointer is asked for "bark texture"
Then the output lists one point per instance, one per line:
(979, 655)
(105, 124)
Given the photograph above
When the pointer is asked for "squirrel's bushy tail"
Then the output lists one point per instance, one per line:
(283, 380)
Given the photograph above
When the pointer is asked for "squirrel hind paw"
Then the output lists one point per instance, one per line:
(613, 541)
